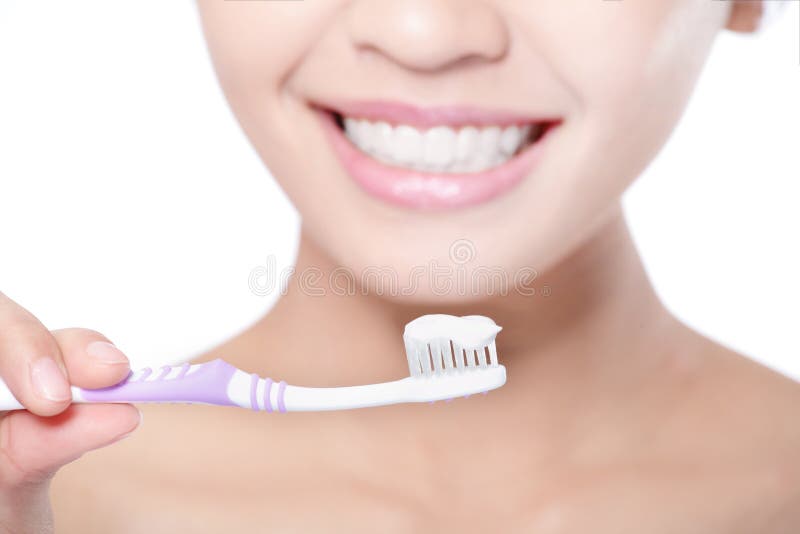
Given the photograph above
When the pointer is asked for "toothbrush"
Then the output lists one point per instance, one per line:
(448, 357)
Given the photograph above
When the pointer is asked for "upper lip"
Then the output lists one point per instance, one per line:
(428, 117)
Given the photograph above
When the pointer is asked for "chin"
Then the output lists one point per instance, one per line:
(416, 275)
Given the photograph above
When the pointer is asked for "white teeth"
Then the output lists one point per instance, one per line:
(440, 146)
(366, 135)
(510, 139)
(467, 143)
(439, 149)
(490, 138)
(488, 149)
(352, 130)
(407, 145)
(383, 139)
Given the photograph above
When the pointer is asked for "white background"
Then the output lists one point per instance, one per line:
(131, 203)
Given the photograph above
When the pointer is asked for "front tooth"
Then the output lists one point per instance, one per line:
(440, 147)
(467, 143)
(490, 139)
(382, 143)
(483, 157)
(408, 145)
(510, 140)
(366, 133)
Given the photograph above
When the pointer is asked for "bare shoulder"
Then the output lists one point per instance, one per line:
(99, 481)
(111, 489)
(186, 468)
(751, 396)
(715, 449)
(742, 420)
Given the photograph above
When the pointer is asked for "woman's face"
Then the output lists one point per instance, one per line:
(477, 133)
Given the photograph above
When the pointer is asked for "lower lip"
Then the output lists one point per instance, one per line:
(421, 190)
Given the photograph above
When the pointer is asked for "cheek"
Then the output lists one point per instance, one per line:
(631, 67)
(625, 49)
(256, 46)
(637, 63)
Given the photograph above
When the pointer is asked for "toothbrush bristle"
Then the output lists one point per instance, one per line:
(438, 357)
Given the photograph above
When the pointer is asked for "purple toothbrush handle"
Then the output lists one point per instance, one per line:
(207, 384)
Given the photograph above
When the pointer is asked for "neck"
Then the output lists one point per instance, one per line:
(595, 305)
(583, 347)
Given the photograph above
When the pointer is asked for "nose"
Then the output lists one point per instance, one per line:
(428, 35)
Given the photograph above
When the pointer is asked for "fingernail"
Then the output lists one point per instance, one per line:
(105, 352)
(48, 381)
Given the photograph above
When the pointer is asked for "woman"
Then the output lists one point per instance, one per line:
(436, 141)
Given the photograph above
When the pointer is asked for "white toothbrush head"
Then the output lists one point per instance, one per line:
(439, 343)
(453, 356)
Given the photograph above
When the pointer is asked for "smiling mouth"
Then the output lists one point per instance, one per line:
(441, 148)
(433, 158)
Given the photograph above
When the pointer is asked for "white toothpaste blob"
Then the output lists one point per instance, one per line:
(472, 331)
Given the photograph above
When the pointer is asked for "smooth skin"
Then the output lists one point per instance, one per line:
(616, 417)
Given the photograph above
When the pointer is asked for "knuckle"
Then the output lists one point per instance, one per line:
(28, 331)
(24, 328)
(15, 315)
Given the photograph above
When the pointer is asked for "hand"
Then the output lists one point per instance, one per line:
(39, 366)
